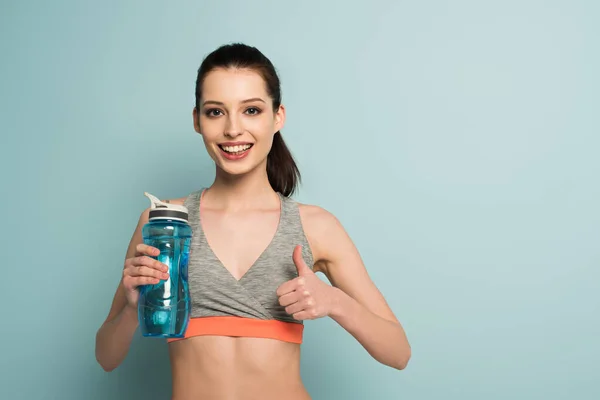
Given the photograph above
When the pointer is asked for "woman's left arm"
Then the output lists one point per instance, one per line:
(353, 301)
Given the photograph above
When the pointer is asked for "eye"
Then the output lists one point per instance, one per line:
(253, 111)
(212, 112)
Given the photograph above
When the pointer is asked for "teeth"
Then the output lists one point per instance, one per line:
(235, 149)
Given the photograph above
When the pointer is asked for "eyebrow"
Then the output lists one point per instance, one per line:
(243, 101)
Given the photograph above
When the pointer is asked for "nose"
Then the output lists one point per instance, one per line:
(233, 128)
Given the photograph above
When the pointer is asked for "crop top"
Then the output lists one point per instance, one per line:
(248, 307)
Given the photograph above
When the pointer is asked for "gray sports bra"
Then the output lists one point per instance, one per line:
(223, 305)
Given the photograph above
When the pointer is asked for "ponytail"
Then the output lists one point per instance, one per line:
(282, 170)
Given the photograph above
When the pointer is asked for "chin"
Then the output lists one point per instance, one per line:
(236, 170)
(239, 164)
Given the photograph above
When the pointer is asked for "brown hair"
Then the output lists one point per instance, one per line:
(282, 170)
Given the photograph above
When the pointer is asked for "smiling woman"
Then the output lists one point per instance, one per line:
(254, 254)
(231, 147)
(251, 77)
(234, 149)
(227, 124)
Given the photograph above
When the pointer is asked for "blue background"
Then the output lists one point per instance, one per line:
(456, 141)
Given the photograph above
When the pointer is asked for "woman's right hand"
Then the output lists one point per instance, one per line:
(140, 270)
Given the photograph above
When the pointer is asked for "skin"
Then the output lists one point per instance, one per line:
(239, 215)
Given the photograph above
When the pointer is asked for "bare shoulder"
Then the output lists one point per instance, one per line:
(324, 233)
(317, 219)
(338, 258)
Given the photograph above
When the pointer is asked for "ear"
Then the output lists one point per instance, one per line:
(280, 118)
(196, 118)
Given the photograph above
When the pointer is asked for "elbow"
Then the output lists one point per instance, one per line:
(106, 366)
(101, 358)
(402, 364)
(398, 361)
(402, 361)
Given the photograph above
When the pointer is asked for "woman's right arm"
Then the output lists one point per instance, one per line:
(113, 339)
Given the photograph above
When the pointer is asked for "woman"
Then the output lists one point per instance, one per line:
(254, 255)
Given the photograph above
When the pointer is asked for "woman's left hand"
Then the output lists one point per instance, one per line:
(306, 297)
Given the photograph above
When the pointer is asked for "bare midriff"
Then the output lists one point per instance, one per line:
(235, 368)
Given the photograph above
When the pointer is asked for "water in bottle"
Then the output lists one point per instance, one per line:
(164, 308)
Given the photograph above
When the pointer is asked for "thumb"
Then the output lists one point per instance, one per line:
(299, 261)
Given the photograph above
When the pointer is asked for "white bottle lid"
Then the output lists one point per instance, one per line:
(162, 210)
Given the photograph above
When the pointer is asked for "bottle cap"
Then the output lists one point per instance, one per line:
(161, 210)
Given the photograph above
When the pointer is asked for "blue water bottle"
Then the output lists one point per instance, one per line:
(164, 308)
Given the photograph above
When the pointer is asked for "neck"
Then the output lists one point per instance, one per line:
(251, 190)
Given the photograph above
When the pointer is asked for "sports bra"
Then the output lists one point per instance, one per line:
(248, 307)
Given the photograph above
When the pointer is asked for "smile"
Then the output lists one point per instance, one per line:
(235, 152)
(235, 149)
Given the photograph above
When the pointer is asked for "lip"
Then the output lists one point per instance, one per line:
(234, 143)
(234, 157)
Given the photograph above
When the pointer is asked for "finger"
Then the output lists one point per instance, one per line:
(149, 262)
(290, 286)
(147, 271)
(302, 315)
(144, 280)
(144, 249)
(295, 308)
(290, 298)
(131, 283)
(301, 266)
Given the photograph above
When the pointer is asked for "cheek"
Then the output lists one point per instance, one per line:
(211, 129)
(264, 140)
(262, 129)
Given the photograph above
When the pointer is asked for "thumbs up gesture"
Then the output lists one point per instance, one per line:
(305, 297)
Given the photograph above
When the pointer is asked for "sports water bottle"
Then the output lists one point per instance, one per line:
(164, 308)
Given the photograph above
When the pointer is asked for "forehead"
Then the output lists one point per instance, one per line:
(233, 85)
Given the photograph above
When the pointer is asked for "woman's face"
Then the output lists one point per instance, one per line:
(236, 119)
